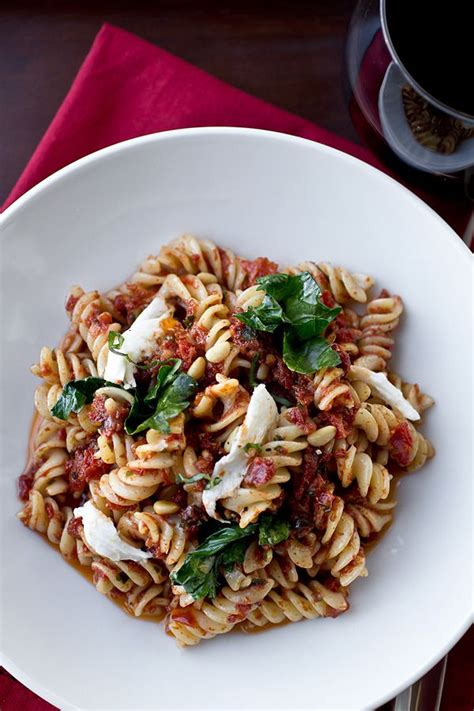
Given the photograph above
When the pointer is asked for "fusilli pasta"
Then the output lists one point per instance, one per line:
(232, 473)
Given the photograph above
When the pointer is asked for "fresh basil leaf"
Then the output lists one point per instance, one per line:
(214, 481)
(308, 356)
(165, 376)
(233, 553)
(139, 412)
(199, 572)
(253, 447)
(299, 297)
(304, 309)
(76, 394)
(272, 530)
(198, 576)
(220, 539)
(165, 400)
(181, 479)
(253, 370)
(115, 341)
(282, 400)
(276, 285)
(266, 317)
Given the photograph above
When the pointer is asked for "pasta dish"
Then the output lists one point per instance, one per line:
(218, 440)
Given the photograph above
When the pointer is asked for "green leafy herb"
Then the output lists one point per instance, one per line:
(213, 482)
(272, 530)
(304, 309)
(76, 394)
(166, 399)
(282, 400)
(199, 574)
(166, 375)
(307, 356)
(115, 340)
(292, 304)
(253, 447)
(279, 286)
(253, 370)
(181, 479)
(266, 317)
(233, 553)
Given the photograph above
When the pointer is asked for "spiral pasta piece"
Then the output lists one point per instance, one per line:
(124, 487)
(190, 255)
(330, 390)
(139, 479)
(249, 502)
(50, 456)
(371, 518)
(93, 314)
(164, 536)
(376, 343)
(44, 515)
(412, 392)
(373, 479)
(214, 320)
(345, 286)
(203, 621)
(377, 421)
(305, 601)
(422, 450)
(115, 448)
(60, 367)
(234, 401)
(149, 600)
(344, 556)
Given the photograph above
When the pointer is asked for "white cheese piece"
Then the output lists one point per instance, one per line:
(138, 341)
(260, 419)
(101, 535)
(385, 390)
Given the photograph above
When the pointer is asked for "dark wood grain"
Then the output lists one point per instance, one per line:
(290, 53)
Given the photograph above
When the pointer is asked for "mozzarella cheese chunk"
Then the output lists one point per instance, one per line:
(101, 535)
(138, 341)
(385, 390)
(260, 420)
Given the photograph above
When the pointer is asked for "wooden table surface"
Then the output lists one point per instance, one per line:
(42, 45)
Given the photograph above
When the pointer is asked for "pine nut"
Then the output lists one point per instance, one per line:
(164, 508)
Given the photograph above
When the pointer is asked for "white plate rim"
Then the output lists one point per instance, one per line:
(451, 238)
(30, 194)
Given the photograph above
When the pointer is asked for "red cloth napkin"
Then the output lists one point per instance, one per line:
(126, 87)
(15, 697)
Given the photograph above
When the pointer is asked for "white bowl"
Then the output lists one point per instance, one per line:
(261, 194)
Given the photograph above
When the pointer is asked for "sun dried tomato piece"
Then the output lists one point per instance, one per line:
(256, 268)
(401, 444)
(260, 471)
(84, 467)
(299, 416)
(341, 418)
(25, 481)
